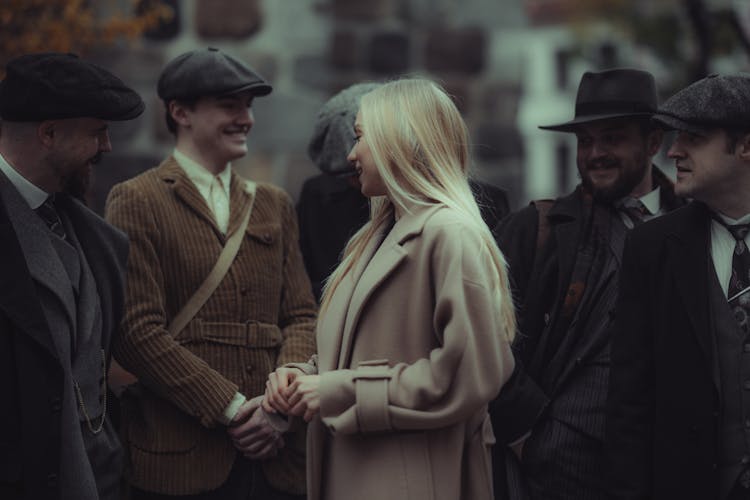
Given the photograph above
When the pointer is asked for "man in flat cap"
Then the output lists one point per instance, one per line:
(564, 257)
(679, 404)
(62, 269)
(202, 353)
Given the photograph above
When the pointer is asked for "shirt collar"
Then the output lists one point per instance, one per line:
(200, 176)
(652, 201)
(33, 194)
(745, 219)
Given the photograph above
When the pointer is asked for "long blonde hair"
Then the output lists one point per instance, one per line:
(419, 144)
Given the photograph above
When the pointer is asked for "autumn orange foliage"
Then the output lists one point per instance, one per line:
(73, 25)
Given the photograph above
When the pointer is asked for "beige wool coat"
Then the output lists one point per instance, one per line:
(410, 351)
(261, 315)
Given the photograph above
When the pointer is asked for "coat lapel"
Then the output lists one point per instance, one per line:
(377, 264)
(330, 328)
(239, 202)
(568, 218)
(184, 189)
(106, 251)
(15, 300)
(43, 261)
(689, 261)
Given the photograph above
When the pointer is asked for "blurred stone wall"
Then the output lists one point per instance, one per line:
(309, 50)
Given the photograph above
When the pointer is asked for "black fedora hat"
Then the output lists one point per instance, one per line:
(614, 93)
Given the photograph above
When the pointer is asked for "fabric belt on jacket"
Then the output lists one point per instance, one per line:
(252, 334)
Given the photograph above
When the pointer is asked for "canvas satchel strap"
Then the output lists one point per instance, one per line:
(118, 378)
(228, 253)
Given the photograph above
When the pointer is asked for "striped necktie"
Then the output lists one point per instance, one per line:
(49, 215)
(738, 294)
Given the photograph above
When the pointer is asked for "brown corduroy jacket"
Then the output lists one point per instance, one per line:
(262, 315)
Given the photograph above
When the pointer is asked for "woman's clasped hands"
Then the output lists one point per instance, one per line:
(291, 392)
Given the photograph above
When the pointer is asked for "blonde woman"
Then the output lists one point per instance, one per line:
(415, 323)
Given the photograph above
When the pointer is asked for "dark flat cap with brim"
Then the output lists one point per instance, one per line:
(717, 101)
(208, 72)
(614, 93)
(48, 86)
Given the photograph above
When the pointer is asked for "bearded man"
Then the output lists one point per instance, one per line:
(564, 257)
(63, 275)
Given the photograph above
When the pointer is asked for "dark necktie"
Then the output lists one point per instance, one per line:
(49, 215)
(737, 294)
(635, 210)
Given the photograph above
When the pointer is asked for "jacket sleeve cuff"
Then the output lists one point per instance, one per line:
(232, 408)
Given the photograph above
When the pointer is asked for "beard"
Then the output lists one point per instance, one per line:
(76, 179)
(77, 184)
(624, 183)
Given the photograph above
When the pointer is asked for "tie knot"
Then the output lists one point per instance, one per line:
(634, 209)
(738, 231)
(48, 213)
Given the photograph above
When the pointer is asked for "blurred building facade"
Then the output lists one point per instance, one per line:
(511, 65)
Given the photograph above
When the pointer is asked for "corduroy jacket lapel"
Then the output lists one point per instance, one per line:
(184, 189)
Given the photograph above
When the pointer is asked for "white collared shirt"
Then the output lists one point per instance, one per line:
(652, 202)
(722, 248)
(30, 192)
(204, 180)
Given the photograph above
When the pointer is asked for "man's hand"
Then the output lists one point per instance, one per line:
(303, 396)
(252, 434)
(275, 399)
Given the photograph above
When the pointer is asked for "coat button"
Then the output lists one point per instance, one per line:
(56, 405)
(249, 369)
(52, 480)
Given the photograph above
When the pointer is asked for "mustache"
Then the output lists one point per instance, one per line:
(602, 163)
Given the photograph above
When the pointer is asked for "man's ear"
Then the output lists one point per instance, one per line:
(654, 141)
(743, 147)
(45, 132)
(179, 113)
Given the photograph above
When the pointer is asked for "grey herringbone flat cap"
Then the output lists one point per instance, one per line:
(208, 72)
(717, 101)
(333, 134)
(51, 85)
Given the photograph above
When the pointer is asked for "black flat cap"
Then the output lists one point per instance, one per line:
(50, 85)
(614, 93)
(717, 101)
(208, 72)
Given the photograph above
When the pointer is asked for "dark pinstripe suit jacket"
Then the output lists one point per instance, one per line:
(559, 396)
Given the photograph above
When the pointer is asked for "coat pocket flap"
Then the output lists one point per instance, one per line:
(267, 234)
